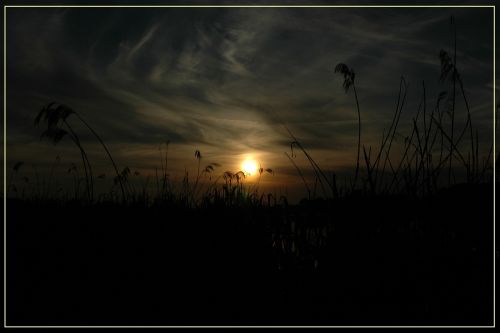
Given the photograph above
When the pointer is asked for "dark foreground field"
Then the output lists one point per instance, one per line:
(353, 261)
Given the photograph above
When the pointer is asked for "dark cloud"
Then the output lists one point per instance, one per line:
(227, 80)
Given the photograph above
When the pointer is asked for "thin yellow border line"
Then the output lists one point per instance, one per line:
(5, 167)
(242, 6)
(253, 6)
(249, 326)
(494, 162)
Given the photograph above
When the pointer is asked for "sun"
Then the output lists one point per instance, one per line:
(249, 167)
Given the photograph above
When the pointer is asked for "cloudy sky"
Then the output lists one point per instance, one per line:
(225, 81)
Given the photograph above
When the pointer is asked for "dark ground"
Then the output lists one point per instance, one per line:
(354, 261)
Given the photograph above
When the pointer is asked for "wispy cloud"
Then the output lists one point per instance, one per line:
(228, 79)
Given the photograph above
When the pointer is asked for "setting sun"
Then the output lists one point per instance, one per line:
(249, 167)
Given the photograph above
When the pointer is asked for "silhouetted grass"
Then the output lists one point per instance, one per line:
(392, 247)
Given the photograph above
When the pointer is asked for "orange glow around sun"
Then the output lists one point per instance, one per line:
(249, 166)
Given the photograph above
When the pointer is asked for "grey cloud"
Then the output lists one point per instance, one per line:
(229, 78)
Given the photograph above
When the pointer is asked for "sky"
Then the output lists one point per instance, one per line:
(226, 82)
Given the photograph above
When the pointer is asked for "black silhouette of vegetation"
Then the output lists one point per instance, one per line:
(349, 76)
(398, 245)
(55, 117)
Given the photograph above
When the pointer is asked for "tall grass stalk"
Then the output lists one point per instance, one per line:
(301, 175)
(349, 77)
(105, 148)
(317, 170)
